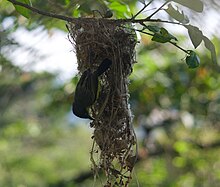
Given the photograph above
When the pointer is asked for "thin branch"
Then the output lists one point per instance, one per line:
(186, 51)
(145, 6)
(62, 17)
(48, 14)
(150, 34)
(158, 9)
(156, 20)
(173, 43)
(70, 19)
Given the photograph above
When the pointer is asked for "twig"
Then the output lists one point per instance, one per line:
(186, 51)
(158, 9)
(71, 19)
(156, 20)
(145, 6)
(150, 34)
(48, 14)
(173, 43)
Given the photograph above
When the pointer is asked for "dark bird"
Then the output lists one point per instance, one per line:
(87, 90)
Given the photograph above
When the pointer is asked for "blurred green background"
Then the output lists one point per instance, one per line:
(176, 109)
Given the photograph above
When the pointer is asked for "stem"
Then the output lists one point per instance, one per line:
(186, 51)
(173, 43)
(158, 9)
(70, 19)
(144, 32)
(48, 14)
(145, 6)
(156, 20)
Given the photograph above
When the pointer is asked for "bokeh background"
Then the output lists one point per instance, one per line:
(176, 109)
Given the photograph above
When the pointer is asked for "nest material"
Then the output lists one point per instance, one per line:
(114, 137)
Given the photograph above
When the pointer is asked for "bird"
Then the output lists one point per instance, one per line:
(87, 90)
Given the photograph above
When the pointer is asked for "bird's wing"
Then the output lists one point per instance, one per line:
(92, 87)
(106, 63)
(86, 89)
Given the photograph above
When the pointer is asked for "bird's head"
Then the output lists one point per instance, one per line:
(81, 112)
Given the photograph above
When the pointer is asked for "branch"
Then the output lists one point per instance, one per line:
(48, 14)
(145, 6)
(155, 20)
(132, 20)
(173, 43)
(158, 9)
(71, 19)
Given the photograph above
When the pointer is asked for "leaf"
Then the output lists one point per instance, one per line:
(153, 28)
(163, 36)
(175, 14)
(192, 60)
(76, 13)
(196, 5)
(210, 46)
(120, 9)
(22, 10)
(195, 35)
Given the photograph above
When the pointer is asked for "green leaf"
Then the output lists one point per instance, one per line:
(23, 11)
(120, 9)
(76, 13)
(153, 28)
(163, 36)
(195, 35)
(192, 60)
(210, 46)
(196, 5)
(175, 14)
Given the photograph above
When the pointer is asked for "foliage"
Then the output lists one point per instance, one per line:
(188, 151)
(23, 11)
(192, 60)
(36, 137)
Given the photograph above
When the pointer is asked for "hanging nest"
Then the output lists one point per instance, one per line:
(114, 139)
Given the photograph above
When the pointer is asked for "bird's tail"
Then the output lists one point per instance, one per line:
(106, 63)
